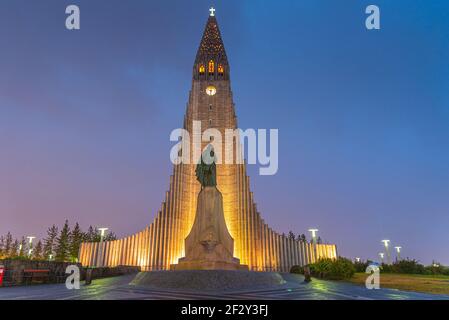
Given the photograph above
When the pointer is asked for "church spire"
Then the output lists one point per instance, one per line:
(211, 61)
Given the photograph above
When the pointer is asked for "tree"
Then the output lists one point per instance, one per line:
(8, 245)
(76, 237)
(319, 241)
(14, 251)
(22, 247)
(62, 251)
(291, 235)
(38, 250)
(92, 235)
(302, 238)
(2, 247)
(110, 237)
(50, 242)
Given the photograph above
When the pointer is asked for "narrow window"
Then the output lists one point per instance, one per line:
(202, 69)
(220, 69)
(211, 66)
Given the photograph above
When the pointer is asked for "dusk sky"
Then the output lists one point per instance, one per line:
(363, 116)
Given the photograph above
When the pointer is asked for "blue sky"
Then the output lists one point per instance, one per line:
(85, 116)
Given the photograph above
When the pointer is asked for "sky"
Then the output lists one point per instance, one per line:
(363, 116)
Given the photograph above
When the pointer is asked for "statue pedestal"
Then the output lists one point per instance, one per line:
(209, 246)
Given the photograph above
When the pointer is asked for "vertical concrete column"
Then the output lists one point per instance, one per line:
(151, 247)
(158, 242)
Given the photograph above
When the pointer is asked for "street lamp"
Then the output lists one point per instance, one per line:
(102, 234)
(30, 245)
(398, 251)
(357, 259)
(387, 250)
(314, 232)
(381, 255)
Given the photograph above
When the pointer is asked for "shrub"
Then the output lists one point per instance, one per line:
(297, 270)
(333, 269)
(437, 270)
(361, 266)
(407, 266)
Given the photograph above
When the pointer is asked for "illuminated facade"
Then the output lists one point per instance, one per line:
(162, 243)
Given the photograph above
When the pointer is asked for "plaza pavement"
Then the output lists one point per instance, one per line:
(118, 288)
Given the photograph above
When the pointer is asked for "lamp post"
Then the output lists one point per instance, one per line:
(314, 231)
(100, 251)
(381, 255)
(398, 251)
(357, 260)
(30, 245)
(387, 250)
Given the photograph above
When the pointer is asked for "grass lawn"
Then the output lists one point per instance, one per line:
(409, 282)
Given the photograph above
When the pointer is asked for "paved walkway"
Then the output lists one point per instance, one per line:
(118, 288)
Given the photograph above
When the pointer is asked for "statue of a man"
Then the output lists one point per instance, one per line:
(206, 172)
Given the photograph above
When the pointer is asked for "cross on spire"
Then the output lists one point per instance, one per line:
(212, 11)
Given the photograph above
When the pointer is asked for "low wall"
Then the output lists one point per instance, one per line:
(136, 251)
(105, 272)
(15, 275)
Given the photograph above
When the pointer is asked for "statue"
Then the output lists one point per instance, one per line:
(209, 245)
(206, 173)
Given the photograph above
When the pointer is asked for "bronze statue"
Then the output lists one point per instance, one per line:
(206, 174)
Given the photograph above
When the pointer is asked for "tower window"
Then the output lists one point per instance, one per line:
(210, 122)
(220, 69)
(211, 66)
(202, 69)
(210, 107)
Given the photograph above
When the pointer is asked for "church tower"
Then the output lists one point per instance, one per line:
(161, 244)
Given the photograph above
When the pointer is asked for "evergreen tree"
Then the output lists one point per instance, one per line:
(110, 237)
(14, 251)
(63, 243)
(291, 235)
(8, 245)
(37, 251)
(303, 238)
(319, 241)
(22, 247)
(76, 237)
(92, 235)
(2, 247)
(50, 242)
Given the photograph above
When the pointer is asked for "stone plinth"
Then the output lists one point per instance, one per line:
(209, 280)
(209, 245)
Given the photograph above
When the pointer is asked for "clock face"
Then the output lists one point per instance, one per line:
(211, 90)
